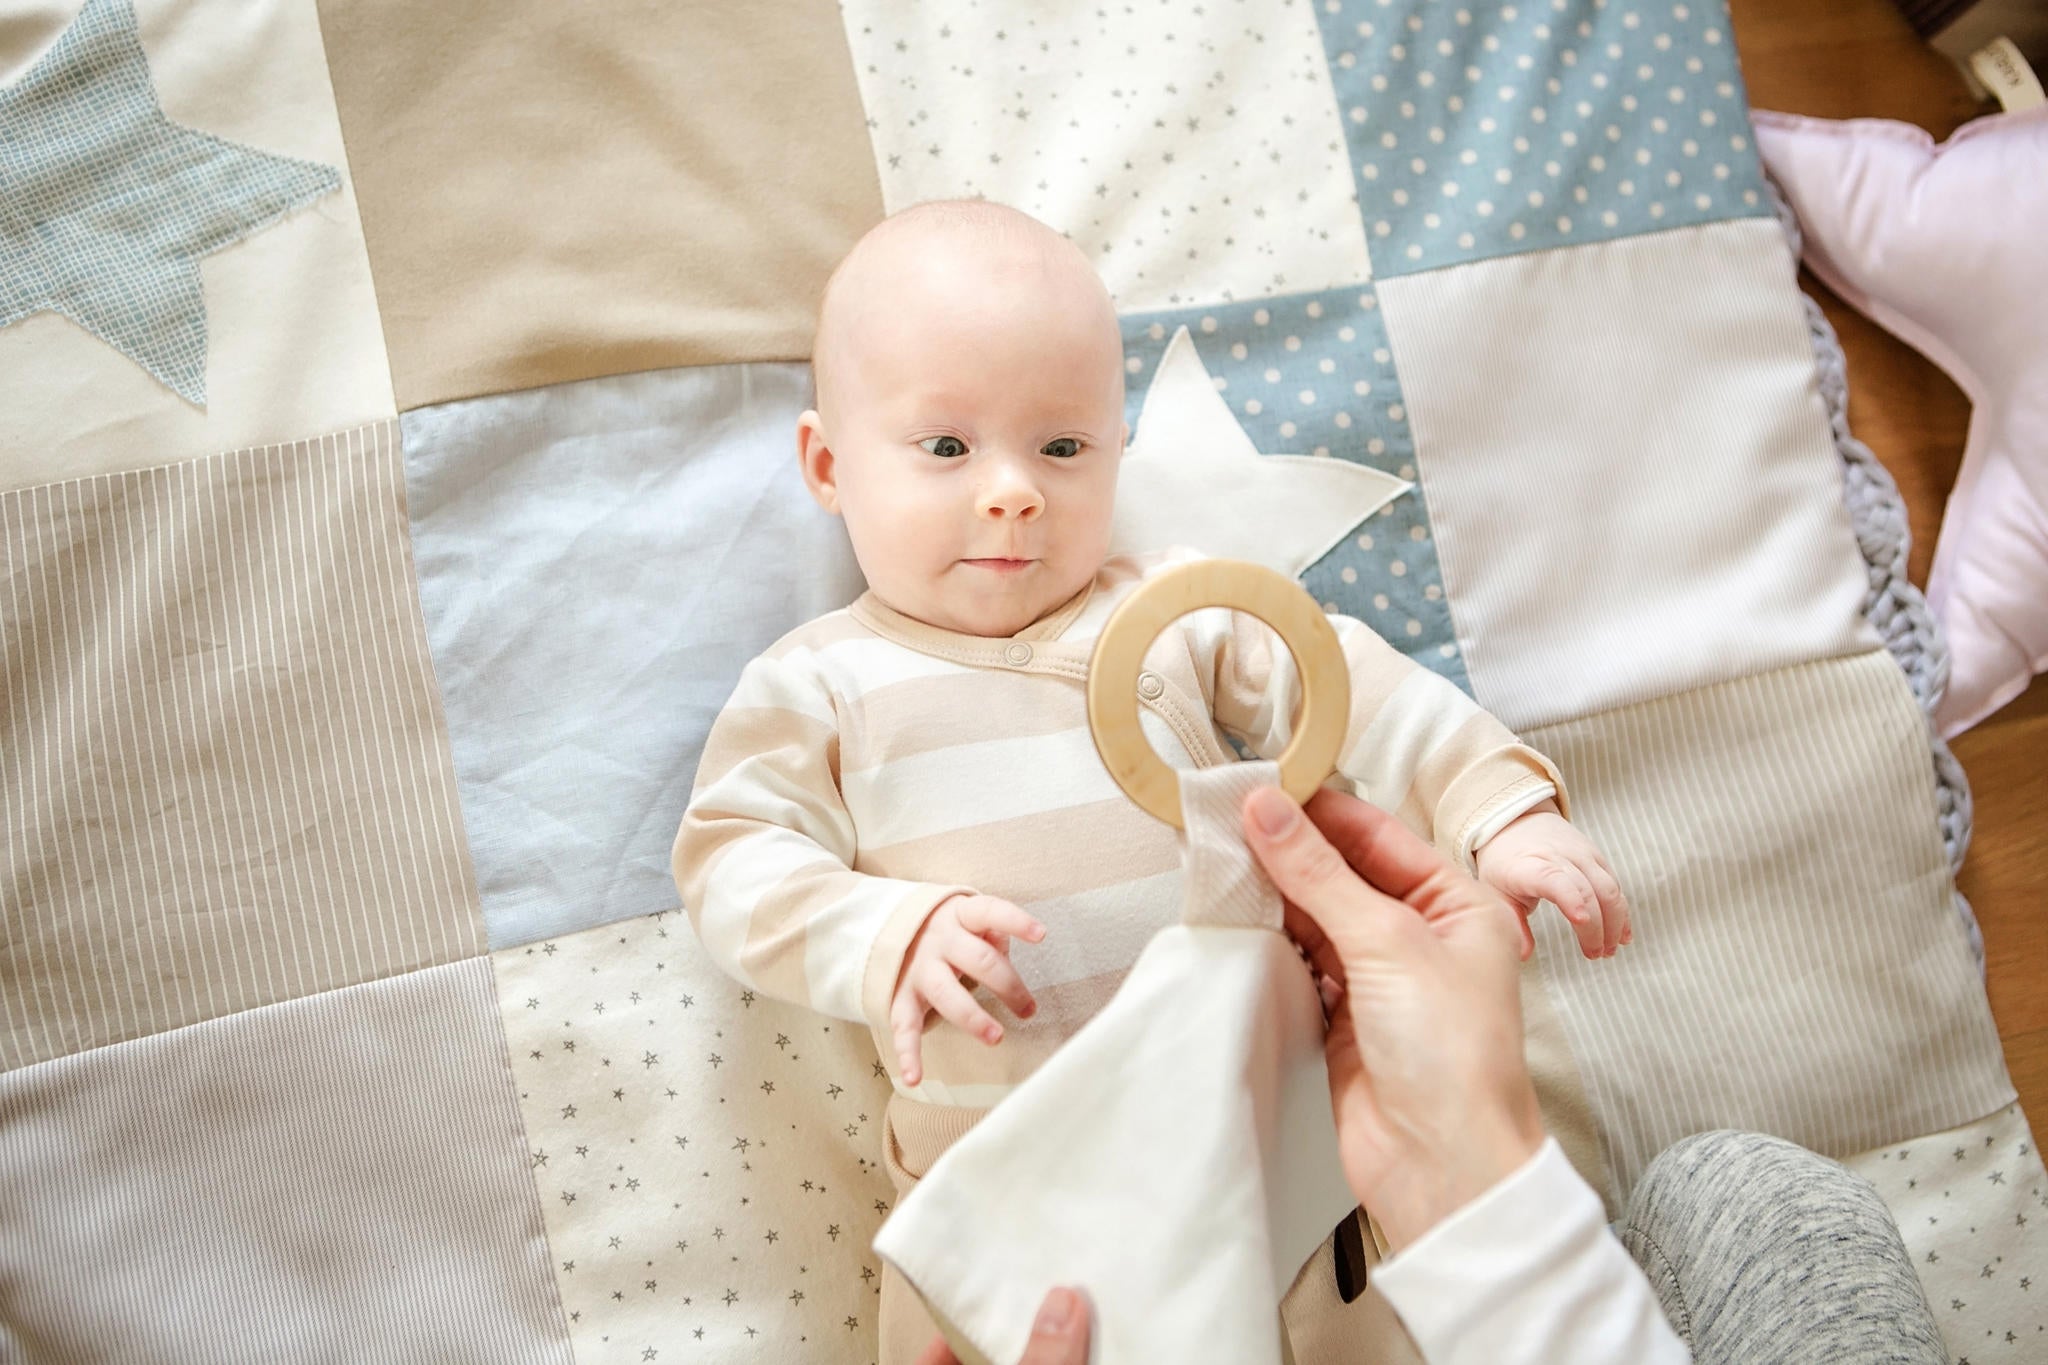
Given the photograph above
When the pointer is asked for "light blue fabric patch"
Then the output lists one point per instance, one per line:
(106, 206)
(1313, 374)
(1482, 130)
(597, 562)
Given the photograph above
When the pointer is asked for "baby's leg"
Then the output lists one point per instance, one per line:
(913, 1136)
(906, 1327)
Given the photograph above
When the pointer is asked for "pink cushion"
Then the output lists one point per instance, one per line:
(1946, 246)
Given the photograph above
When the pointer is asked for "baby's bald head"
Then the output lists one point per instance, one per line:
(948, 254)
(970, 414)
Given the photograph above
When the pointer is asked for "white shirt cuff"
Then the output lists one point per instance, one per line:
(1498, 821)
(1528, 1272)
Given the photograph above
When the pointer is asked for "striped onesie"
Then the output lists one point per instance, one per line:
(869, 765)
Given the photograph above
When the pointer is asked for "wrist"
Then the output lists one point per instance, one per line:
(1442, 1176)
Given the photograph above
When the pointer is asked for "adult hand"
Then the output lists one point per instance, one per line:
(1059, 1335)
(1417, 962)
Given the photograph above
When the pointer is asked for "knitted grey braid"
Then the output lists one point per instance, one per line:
(1894, 606)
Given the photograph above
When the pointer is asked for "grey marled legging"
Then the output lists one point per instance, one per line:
(1762, 1252)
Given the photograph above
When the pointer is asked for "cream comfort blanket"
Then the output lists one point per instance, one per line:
(1177, 1158)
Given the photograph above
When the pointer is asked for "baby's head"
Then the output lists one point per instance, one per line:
(970, 390)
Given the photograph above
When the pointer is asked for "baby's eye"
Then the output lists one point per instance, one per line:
(1053, 447)
(947, 451)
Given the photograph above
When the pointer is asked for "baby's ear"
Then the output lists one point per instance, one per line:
(814, 457)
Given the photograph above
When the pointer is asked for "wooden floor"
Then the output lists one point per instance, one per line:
(1858, 59)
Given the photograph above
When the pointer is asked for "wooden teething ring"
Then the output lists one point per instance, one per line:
(1119, 656)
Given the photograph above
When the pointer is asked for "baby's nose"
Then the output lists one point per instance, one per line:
(1010, 496)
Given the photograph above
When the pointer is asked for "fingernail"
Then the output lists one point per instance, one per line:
(1037, 931)
(1054, 1314)
(1030, 1008)
(1273, 810)
(995, 1033)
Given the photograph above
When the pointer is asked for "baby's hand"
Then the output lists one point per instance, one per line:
(965, 935)
(1540, 856)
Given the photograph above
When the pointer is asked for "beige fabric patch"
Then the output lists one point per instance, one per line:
(334, 1178)
(223, 761)
(293, 341)
(1798, 967)
(553, 192)
(1561, 1090)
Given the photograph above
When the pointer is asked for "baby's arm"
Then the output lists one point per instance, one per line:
(764, 857)
(1418, 746)
(1413, 743)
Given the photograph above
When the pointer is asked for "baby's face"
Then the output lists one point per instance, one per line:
(973, 434)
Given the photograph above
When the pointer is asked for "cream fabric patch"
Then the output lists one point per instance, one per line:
(292, 345)
(1194, 154)
(1798, 968)
(708, 1158)
(1631, 479)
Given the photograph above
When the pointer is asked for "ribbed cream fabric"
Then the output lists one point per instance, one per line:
(1224, 886)
(342, 1177)
(870, 765)
(1797, 968)
(1177, 1158)
(223, 769)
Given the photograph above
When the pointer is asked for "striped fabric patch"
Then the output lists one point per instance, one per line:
(336, 1178)
(1797, 968)
(222, 758)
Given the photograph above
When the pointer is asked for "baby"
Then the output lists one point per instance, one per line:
(904, 793)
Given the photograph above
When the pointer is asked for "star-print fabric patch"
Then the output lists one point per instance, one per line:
(109, 205)
(1972, 1205)
(1313, 374)
(1479, 130)
(708, 1159)
(1193, 152)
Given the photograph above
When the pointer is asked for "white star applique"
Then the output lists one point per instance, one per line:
(1191, 476)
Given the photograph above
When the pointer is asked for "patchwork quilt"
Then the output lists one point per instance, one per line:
(397, 468)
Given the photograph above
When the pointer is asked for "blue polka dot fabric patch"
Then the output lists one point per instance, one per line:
(1313, 374)
(1480, 130)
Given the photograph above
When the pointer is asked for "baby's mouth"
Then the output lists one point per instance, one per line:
(1001, 565)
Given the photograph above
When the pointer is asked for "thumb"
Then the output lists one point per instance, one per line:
(1059, 1335)
(1311, 874)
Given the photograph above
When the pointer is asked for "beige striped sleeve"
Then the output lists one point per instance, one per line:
(1415, 744)
(763, 857)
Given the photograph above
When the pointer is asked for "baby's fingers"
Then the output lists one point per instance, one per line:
(986, 914)
(906, 1026)
(1563, 885)
(992, 967)
(952, 1000)
(1613, 905)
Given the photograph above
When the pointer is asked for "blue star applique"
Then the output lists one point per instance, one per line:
(106, 206)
